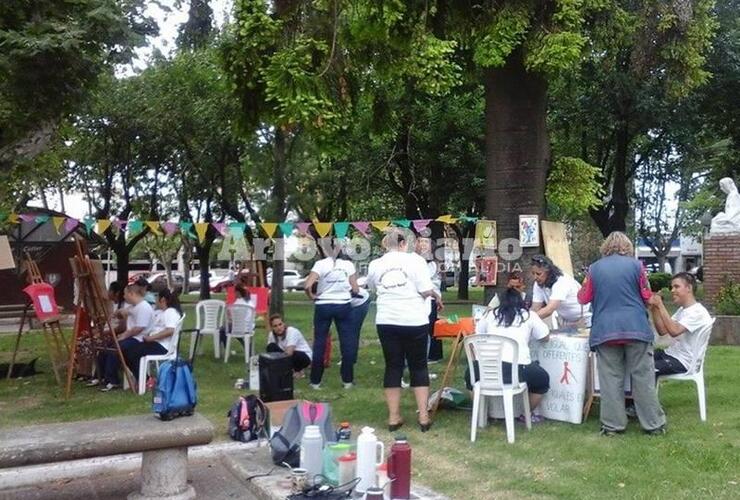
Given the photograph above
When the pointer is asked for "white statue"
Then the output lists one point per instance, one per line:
(729, 220)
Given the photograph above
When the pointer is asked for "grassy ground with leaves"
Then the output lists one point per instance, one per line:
(554, 460)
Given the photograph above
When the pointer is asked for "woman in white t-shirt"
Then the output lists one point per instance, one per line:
(512, 319)
(336, 281)
(402, 284)
(290, 340)
(554, 291)
(159, 340)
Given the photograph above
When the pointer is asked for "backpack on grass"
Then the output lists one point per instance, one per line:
(176, 393)
(248, 419)
(285, 444)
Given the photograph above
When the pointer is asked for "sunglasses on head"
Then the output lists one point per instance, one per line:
(539, 260)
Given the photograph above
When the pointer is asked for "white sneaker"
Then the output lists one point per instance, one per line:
(93, 382)
(110, 387)
(348, 385)
(315, 386)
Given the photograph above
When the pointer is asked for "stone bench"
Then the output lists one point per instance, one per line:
(164, 448)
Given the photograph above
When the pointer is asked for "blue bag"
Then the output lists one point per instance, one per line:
(176, 393)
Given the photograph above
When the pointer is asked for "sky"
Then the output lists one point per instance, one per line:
(168, 22)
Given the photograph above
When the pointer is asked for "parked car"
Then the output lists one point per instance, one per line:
(292, 279)
(135, 276)
(449, 278)
(159, 282)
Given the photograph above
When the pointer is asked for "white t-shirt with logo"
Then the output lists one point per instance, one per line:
(292, 338)
(399, 278)
(532, 328)
(163, 320)
(333, 284)
(140, 316)
(565, 289)
(693, 318)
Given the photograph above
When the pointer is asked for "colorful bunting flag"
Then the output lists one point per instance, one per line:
(71, 224)
(201, 228)
(13, 218)
(153, 226)
(341, 229)
(42, 219)
(120, 224)
(447, 219)
(237, 230)
(380, 224)
(134, 227)
(402, 222)
(185, 228)
(286, 228)
(169, 228)
(303, 227)
(269, 228)
(362, 227)
(28, 217)
(220, 227)
(421, 224)
(58, 221)
(103, 225)
(89, 223)
(323, 228)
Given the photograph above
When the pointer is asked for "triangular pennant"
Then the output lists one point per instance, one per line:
(89, 223)
(153, 226)
(103, 225)
(220, 227)
(58, 221)
(71, 224)
(269, 228)
(286, 228)
(421, 224)
(237, 230)
(134, 227)
(402, 222)
(28, 217)
(13, 218)
(185, 228)
(467, 218)
(380, 224)
(42, 218)
(362, 227)
(323, 228)
(447, 219)
(120, 224)
(340, 229)
(170, 228)
(201, 228)
(303, 227)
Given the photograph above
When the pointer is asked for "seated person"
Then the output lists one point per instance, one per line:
(683, 326)
(159, 340)
(148, 295)
(288, 339)
(139, 321)
(243, 297)
(554, 291)
(511, 319)
(515, 280)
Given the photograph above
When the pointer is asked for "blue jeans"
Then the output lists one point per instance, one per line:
(349, 344)
(323, 315)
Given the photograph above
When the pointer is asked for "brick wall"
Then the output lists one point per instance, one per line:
(721, 259)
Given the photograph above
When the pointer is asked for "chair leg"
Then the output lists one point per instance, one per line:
(527, 410)
(216, 345)
(483, 411)
(701, 395)
(474, 416)
(192, 344)
(247, 347)
(143, 364)
(227, 348)
(509, 416)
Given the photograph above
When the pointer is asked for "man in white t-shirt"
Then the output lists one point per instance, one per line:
(335, 280)
(684, 326)
(290, 340)
(554, 291)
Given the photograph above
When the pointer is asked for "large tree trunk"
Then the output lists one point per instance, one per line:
(517, 147)
(278, 199)
(203, 251)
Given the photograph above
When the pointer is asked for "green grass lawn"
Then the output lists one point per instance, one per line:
(694, 460)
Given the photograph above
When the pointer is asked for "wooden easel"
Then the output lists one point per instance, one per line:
(93, 299)
(450, 370)
(53, 335)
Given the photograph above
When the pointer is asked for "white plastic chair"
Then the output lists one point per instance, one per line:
(696, 373)
(487, 350)
(209, 318)
(171, 354)
(241, 326)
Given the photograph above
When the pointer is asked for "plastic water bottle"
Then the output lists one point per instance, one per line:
(344, 433)
(399, 468)
(312, 446)
(369, 456)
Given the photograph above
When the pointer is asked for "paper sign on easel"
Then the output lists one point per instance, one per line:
(44, 303)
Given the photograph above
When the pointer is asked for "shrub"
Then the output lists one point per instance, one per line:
(728, 299)
(659, 281)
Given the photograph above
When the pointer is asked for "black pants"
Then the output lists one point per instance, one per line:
(300, 359)
(537, 379)
(134, 352)
(666, 364)
(435, 345)
(404, 344)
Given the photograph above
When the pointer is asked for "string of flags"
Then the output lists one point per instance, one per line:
(199, 230)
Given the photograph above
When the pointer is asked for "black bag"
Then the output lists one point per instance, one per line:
(276, 376)
(248, 419)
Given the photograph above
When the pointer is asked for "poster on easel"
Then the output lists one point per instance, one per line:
(485, 235)
(43, 300)
(487, 271)
(529, 231)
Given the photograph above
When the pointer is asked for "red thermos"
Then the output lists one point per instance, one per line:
(399, 468)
